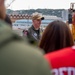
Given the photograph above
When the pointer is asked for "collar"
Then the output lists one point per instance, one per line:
(34, 28)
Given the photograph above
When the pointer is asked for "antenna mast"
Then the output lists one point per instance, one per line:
(8, 5)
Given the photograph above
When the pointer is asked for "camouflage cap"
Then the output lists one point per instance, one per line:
(37, 15)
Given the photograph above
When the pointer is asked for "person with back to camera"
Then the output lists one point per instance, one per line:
(62, 61)
(57, 35)
(17, 57)
(34, 30)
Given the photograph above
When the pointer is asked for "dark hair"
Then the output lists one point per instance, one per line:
(57, 35)
(7, 20)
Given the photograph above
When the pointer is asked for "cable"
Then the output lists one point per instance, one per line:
(10, 3)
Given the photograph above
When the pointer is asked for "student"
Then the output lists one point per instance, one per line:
(17, 57)
(62, 61)
(57, 35)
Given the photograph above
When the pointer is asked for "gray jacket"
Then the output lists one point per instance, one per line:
(33, 35)
(19, 58)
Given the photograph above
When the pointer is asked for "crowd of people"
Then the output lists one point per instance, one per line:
(53, 55)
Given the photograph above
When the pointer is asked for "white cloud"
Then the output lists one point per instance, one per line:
(34, 4)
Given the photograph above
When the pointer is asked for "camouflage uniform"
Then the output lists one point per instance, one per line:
(17, 57)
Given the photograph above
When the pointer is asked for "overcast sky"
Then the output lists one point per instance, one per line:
(35, 4)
